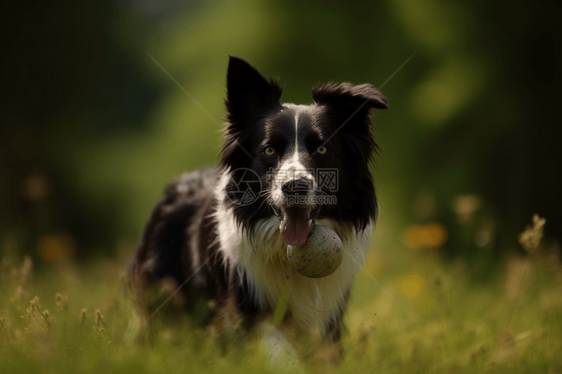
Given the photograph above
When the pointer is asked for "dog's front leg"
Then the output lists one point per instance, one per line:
(281, 355)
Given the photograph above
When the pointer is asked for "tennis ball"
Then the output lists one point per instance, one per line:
(320, 256)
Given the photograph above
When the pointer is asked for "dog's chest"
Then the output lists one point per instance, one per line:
(262, 261)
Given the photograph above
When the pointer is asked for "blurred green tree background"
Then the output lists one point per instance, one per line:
(93, 128)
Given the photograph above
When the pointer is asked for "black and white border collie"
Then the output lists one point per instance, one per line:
(232, 246)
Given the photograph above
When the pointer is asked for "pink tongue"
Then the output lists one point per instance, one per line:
(295, 226)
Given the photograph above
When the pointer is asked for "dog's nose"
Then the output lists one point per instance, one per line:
(296, 186)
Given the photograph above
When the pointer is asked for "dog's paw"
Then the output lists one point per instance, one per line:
(281, 355)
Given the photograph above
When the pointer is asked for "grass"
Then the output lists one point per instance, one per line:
(68, 318)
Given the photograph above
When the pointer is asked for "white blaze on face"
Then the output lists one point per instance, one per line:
(292, 169)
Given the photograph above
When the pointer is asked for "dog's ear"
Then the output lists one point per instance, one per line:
(348, 107)
(249, 93)
(349, 98)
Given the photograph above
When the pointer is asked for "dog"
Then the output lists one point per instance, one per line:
(222, 233)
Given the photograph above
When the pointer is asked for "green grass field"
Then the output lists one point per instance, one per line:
(68, 318)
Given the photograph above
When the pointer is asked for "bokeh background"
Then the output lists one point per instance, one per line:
(93, 125)
(92, 128)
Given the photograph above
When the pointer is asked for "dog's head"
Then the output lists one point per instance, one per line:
(298, 162)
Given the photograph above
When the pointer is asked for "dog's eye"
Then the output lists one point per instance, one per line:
(322, 150)
(269, 151)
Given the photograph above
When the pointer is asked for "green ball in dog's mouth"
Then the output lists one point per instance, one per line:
(320, 256)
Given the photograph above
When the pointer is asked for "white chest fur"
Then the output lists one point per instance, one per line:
(262, 259)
